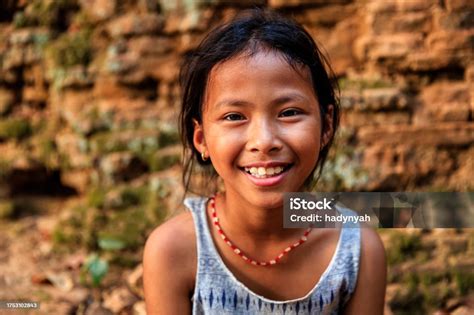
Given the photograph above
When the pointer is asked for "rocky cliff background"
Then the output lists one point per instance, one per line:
(89, 148)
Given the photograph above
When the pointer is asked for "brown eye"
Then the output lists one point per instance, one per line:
(290, 112)
(233, 117)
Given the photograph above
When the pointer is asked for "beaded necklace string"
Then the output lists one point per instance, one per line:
(240, 253)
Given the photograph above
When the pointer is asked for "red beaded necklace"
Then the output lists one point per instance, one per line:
(239, 252)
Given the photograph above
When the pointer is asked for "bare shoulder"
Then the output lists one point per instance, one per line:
(174, 241)
(372, 245)
(178, 227)
(372, 276)
(169, 266)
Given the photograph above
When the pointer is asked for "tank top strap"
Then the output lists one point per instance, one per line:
(205, 244)
(348, 256)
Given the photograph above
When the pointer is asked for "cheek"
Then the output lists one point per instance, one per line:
(305, 141)
(224, 148)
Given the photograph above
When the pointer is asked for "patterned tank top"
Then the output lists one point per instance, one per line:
(218, 291)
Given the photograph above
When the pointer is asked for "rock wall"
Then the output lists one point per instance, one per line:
(89, 88)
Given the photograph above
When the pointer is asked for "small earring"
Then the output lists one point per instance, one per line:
(203, 156)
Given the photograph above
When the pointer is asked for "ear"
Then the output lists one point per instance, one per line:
(329, 130)
(198, 137)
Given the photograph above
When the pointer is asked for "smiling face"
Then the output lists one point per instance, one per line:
(261, 127)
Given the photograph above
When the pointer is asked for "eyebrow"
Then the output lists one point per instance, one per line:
(279, 100)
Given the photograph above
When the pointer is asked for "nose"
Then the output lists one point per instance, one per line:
(263, 136)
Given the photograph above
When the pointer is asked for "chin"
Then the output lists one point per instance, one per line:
(268, 200)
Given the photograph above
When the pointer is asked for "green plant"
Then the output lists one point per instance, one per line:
(7, 209)
(105, 142)
(78, 229)
(47, 152)
(96, 197)
(113, 222)
(343, 170)
(20, 20)
(464, 281)
(72, 49)
(95, 268)
(44, 13)
(435, 296)
(14, 128)
(109, 243)
(5, 168)
(168, 136)
(402, 247)
(162, 162)
(19, 207)
(407, 301)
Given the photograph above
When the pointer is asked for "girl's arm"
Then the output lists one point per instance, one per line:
(369, 294)
(169, 261)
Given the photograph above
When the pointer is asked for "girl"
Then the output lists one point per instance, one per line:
(259, 112)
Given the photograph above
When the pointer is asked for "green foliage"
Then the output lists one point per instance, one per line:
(5, 167)
(435, 296)
(16, 208)
(146, 144)
(106, 243)
(7, 209)
(470, 241)
(107, 142)
(168, 136)
(125, 259)
(134, 196)
(71, 231)
(72, 49)
(162, 162)
(93, 121)
(125, 197)
(14, 128)
(128, 227)
(44, 13)
(95, 268)
(112, 221)
(96, 197)
(408, 301)
(422, 289)
(20, 20)
(47, 151)
(402, 247)
(464, 281)
(430, 289)
(343, 170)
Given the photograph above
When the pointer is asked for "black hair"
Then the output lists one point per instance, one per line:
(251, 32)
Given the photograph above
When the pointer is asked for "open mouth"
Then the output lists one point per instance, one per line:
(266, 172)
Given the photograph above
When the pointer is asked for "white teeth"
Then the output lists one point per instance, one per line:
(261, 172)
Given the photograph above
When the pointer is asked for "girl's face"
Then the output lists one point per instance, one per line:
(261, 127)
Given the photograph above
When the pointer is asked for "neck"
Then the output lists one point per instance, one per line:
(238, 217)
